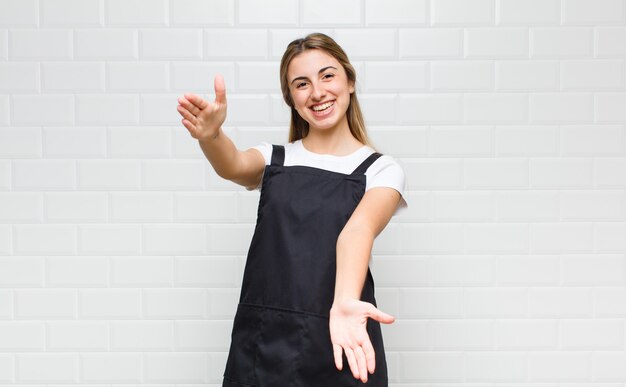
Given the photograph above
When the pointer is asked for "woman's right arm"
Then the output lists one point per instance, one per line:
(204, 121)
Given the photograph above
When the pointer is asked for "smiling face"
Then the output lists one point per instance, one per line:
(318, 79)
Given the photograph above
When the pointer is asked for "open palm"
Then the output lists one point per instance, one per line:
(202, 118)
(348, 333)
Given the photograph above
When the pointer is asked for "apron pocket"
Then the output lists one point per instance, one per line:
(243, 345)
(279, 347)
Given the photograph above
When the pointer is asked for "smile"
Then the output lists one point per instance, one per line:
(323, 106)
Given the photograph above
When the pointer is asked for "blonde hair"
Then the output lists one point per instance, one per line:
(299, 128)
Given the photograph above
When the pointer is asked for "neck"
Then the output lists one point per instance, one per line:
(336, 141)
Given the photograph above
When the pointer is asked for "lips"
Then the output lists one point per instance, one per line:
(320, 104)
(322, 114)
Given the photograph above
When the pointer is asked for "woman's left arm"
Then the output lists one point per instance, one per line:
(348, 315)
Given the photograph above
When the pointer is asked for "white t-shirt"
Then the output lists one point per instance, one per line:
(384, 172)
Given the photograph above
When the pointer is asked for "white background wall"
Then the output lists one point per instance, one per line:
(121, 250)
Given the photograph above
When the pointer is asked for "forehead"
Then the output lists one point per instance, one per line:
(309, 62)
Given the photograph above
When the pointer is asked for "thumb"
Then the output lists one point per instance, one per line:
(220, 89)
(379, 315)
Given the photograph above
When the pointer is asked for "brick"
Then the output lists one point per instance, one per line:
(562, 42)
(560, 172)
(526, 140)
(529, 12)
(142, 335)
(588, 140)
(396, 12)
(525, 75)
(316, 12)
(19, 13)
(106, 43)
(77, 272)
(482, 108)
(19, 77)
(75, 206)
(53, 109)
(235, 44)
(610, 42)
(67, 142)
(136, 12)
(367, 43)
(46, 367)
(553, 366)
(71, 13)
(202, 12)
(77, 336)
(562, 108)
(110, 367)
(526, 334)
(501, 42)
(461, 76)
(45, 304)
(429, 43)
(599, 11)
(51, 44)
(273, 12)
(174, 239)
(21, 207)
(462, 12)
(396, 76)
(109, 304)
(176, 44)
(596, 75)
(561, 238)
(104, 239)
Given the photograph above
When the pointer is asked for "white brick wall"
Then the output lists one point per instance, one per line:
(122, 251)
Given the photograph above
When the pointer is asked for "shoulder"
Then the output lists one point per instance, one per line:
(266, 150)
(386, 171)
(386, 167)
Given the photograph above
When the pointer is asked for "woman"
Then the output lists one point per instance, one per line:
(307, 302)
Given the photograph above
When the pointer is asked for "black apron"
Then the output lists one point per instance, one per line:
(280, 335)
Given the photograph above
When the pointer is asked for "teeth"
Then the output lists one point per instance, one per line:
(324, 106)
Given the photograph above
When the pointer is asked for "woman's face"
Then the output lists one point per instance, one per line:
(313, 83)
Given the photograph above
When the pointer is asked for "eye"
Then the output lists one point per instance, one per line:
(299, 84)
(331, 75)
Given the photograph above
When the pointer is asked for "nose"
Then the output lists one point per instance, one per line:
(317, 91)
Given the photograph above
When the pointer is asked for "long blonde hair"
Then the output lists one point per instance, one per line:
(299, 128)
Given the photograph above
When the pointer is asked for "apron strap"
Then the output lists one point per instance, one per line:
(278, 154)
(366, 163)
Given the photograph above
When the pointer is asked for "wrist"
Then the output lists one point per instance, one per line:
(344, 298)
(211, 137)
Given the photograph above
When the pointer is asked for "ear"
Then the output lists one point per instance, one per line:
(351, 87)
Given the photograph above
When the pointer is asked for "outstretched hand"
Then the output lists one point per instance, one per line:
(348, 333)
(202, 118)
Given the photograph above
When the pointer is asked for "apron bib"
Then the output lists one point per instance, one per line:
(280, 335)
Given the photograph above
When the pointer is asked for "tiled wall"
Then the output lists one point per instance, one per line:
(121, 250)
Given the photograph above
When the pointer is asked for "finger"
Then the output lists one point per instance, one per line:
(360, 359)
(370, 356)
(354, 367)
(186, 114)
(197, 101)
(337, 351)
(190, 127)
(379, 315)
(220, 89)
(184, 102)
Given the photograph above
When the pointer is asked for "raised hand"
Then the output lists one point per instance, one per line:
(202, 118)
(348, 333)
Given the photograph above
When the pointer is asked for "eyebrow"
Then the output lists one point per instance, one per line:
(319, 72)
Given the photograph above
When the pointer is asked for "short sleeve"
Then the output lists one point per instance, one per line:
(387, 172)
(266, 150)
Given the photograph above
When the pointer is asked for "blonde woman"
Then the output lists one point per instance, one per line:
(307, 314)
